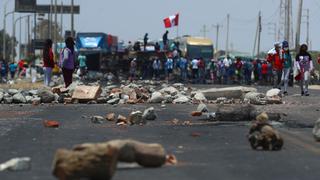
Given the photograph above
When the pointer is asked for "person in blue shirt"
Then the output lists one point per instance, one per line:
(13, 68)
(169, 67)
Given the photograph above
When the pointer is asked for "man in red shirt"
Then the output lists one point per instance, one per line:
(264, 72)
(275, 58)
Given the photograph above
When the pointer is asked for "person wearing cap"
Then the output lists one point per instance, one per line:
(287, 65)
(276, 60)
(304, 66)
(68, 60)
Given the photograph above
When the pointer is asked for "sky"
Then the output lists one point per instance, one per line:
(130, 20)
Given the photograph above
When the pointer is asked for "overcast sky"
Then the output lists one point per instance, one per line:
(131, 19)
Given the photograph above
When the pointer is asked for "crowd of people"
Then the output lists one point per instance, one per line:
(275, 70)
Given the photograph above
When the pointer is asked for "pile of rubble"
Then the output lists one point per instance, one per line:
(140, 92)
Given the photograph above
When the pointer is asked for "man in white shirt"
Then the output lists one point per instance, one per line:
(195, 69)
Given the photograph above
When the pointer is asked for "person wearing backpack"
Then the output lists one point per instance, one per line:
(67, 60)
(48, 63)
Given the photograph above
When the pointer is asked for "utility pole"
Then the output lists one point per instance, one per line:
(55, 27)
(217, 35)
(72, 19)
(20, 40)
(50, 20)
(287, 21)
(297, 44)
(272, 27)
(227, 40)
(13, 38)
(259, 33)
(61, 20)
(204, 30)
(308, 31)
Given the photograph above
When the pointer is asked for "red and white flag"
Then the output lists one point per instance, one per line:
(171, 21)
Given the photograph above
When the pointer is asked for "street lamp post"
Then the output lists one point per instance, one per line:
(14, 32)
(5, 14)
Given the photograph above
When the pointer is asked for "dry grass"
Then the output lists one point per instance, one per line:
(22, 85)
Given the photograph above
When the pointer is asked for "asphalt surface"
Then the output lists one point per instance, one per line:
(221, 151)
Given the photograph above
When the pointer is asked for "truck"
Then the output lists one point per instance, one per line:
(98, 47)
(196, 47)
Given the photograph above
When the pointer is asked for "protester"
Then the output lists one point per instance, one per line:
(4, 71)
(13, 69)
(195, 69)
(183, 66)
(202, 71)
(287, 64)
(226, 62)
(156, 68)
(169, 68)
(264, 72)
(238, 66)
(157, 47)
(133, 69)
(275, 58)
(67, 60)
(165, 40)
(82, 59)
(212, 68)
(304, 66)
(145, 41)
(220, 71)
(48, 62)
(248, 67)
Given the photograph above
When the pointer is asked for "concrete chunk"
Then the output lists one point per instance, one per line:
(86, 93)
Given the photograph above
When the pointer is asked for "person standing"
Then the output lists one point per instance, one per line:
(48, 63)
(165, 40)
(248, 67)
(82, 59)
(226, 63)
(133, 69)
(183, 65)
(202, 70)
(264, 72)
(304, 66)
(212, 70)
(194, 65)
(238, 66)
(67, 60)
(275, 58)
(145, 41)
(169, 68)
(156, 68)
(287, 64)
(13, 68)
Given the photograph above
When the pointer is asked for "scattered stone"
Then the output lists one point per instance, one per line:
(202, 108)
(12, 91)
(262, 118)
(97, 119)
(46, 96)
(136, 118)
(29, 99)
(1, 96)
(86, 93)
(199, 96)
(149, 114)
(19, 98)
(169, 90)
(122, 120)
(255, 98)
(181, 100)
(236, 113)
(111, 117)
(7, 100)
(196, 113)
(33, 92)
(229, 93)
(171, 159)
(274, 96)
(67, 100)
(36, 101)
(316, 130)
(113, 101)
(263, 135)
(175, 121)
(99, 161)
(156, 97)
(51, 124)
(211, 116)
(17, 164)
(195, 134)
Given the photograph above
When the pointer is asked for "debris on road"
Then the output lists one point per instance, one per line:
(51, 124)
(229, 93)
(235, 113)
(316, 130)
(263, 135)
(111, 117)
(149, 114)
(196, 113)
(136, 118)
(97, 119)
(202, 108)
(99, 161)
(86, 93)
(171, 159)
(17, 164)
(122, 120)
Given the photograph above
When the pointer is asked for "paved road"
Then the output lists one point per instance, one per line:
(220, 152)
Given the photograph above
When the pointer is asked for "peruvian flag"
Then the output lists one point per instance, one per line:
(171, 21)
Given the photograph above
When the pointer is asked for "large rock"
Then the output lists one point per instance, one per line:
(130, 92)
(236, 113)
(19, 98)
(169, 90)
(8, 100)
(16, 164)
(199, 96)
(149, 114)
(156, 97)
(181, 100)
(230, 92)
(136, 118)
(273, 92)
(316, 130)
(255, 98)
(274, 96)
(86, 93)
(46, 96)
(99, 161)
(12, 91)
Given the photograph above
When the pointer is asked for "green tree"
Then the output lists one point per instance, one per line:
(9, 45)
